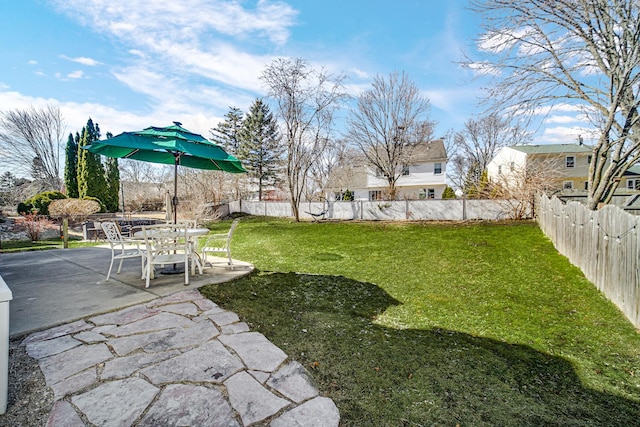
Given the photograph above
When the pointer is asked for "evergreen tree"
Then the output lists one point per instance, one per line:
(112, 175)
(226, 134)
(91, 179)
(71, 167)
(260, 149)
(448, 193)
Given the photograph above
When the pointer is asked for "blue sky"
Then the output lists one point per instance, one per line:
(129, 64)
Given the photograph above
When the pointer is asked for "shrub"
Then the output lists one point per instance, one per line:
(39, 203)
(33, 224)
(103, 208)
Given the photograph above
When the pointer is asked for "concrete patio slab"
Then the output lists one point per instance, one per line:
(62, 285)
(115, 353)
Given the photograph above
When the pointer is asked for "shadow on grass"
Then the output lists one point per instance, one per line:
(381, 376)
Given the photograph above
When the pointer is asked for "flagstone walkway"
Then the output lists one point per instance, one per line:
(175, 361)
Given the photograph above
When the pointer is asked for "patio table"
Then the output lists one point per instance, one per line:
(192, 236)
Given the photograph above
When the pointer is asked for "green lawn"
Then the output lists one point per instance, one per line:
(438, 324)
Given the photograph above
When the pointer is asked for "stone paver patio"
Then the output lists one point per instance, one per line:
(175, 361)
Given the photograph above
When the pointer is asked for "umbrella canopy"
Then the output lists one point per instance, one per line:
(168, 145)
(171, 145)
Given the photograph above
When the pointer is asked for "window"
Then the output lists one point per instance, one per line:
(427, 193)
(567, 185)
(586, 185)
(570, 162)
(589, 158)
(633, 184)
(375, 195)
(405, 170)
(499, 169)
(512, 166)
(437, 168)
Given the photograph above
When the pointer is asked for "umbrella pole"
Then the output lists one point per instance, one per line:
(174, 201)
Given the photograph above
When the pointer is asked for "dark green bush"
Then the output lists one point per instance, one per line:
(39, 202)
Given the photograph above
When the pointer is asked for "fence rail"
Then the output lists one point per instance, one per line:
(604, 244)
(430, 210)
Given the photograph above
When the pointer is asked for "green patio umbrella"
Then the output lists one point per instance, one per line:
(171, 145)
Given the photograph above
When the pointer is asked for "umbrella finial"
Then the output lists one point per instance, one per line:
(177, 123)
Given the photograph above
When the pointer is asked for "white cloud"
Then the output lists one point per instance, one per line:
(559, 108)
(137, 52)
(78, 74)
(82, 60)
(561, 119)
(173, 94)
(360, 73)
(450, 100)
(563, 134)
(32, 62)
(161, 18)
(499, 41)
(483, 68)
(191, 37)
(75, 115)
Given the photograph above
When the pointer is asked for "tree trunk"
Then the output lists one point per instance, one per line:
(65, 233)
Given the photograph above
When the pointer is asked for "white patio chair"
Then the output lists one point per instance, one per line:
(118, 244)
(166, 244)
(219, 243)
(189, 223)
(98, 231)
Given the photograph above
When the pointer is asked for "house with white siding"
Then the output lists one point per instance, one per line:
(567, 164)
(424, 177)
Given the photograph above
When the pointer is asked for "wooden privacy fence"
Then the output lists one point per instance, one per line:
(604, 244)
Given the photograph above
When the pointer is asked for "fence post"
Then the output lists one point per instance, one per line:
(464, 208)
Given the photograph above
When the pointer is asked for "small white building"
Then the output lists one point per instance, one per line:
(424, 178)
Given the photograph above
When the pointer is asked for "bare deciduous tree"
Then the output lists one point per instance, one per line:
(582, 52)
(201, 191)
(137, 171)
(520, 186)
(306, 100)
(322, 169)
(390, 120)
(32, 140)
(477, 144)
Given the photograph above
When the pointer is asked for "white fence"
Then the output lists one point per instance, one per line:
(604, 244)
(430, 210)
